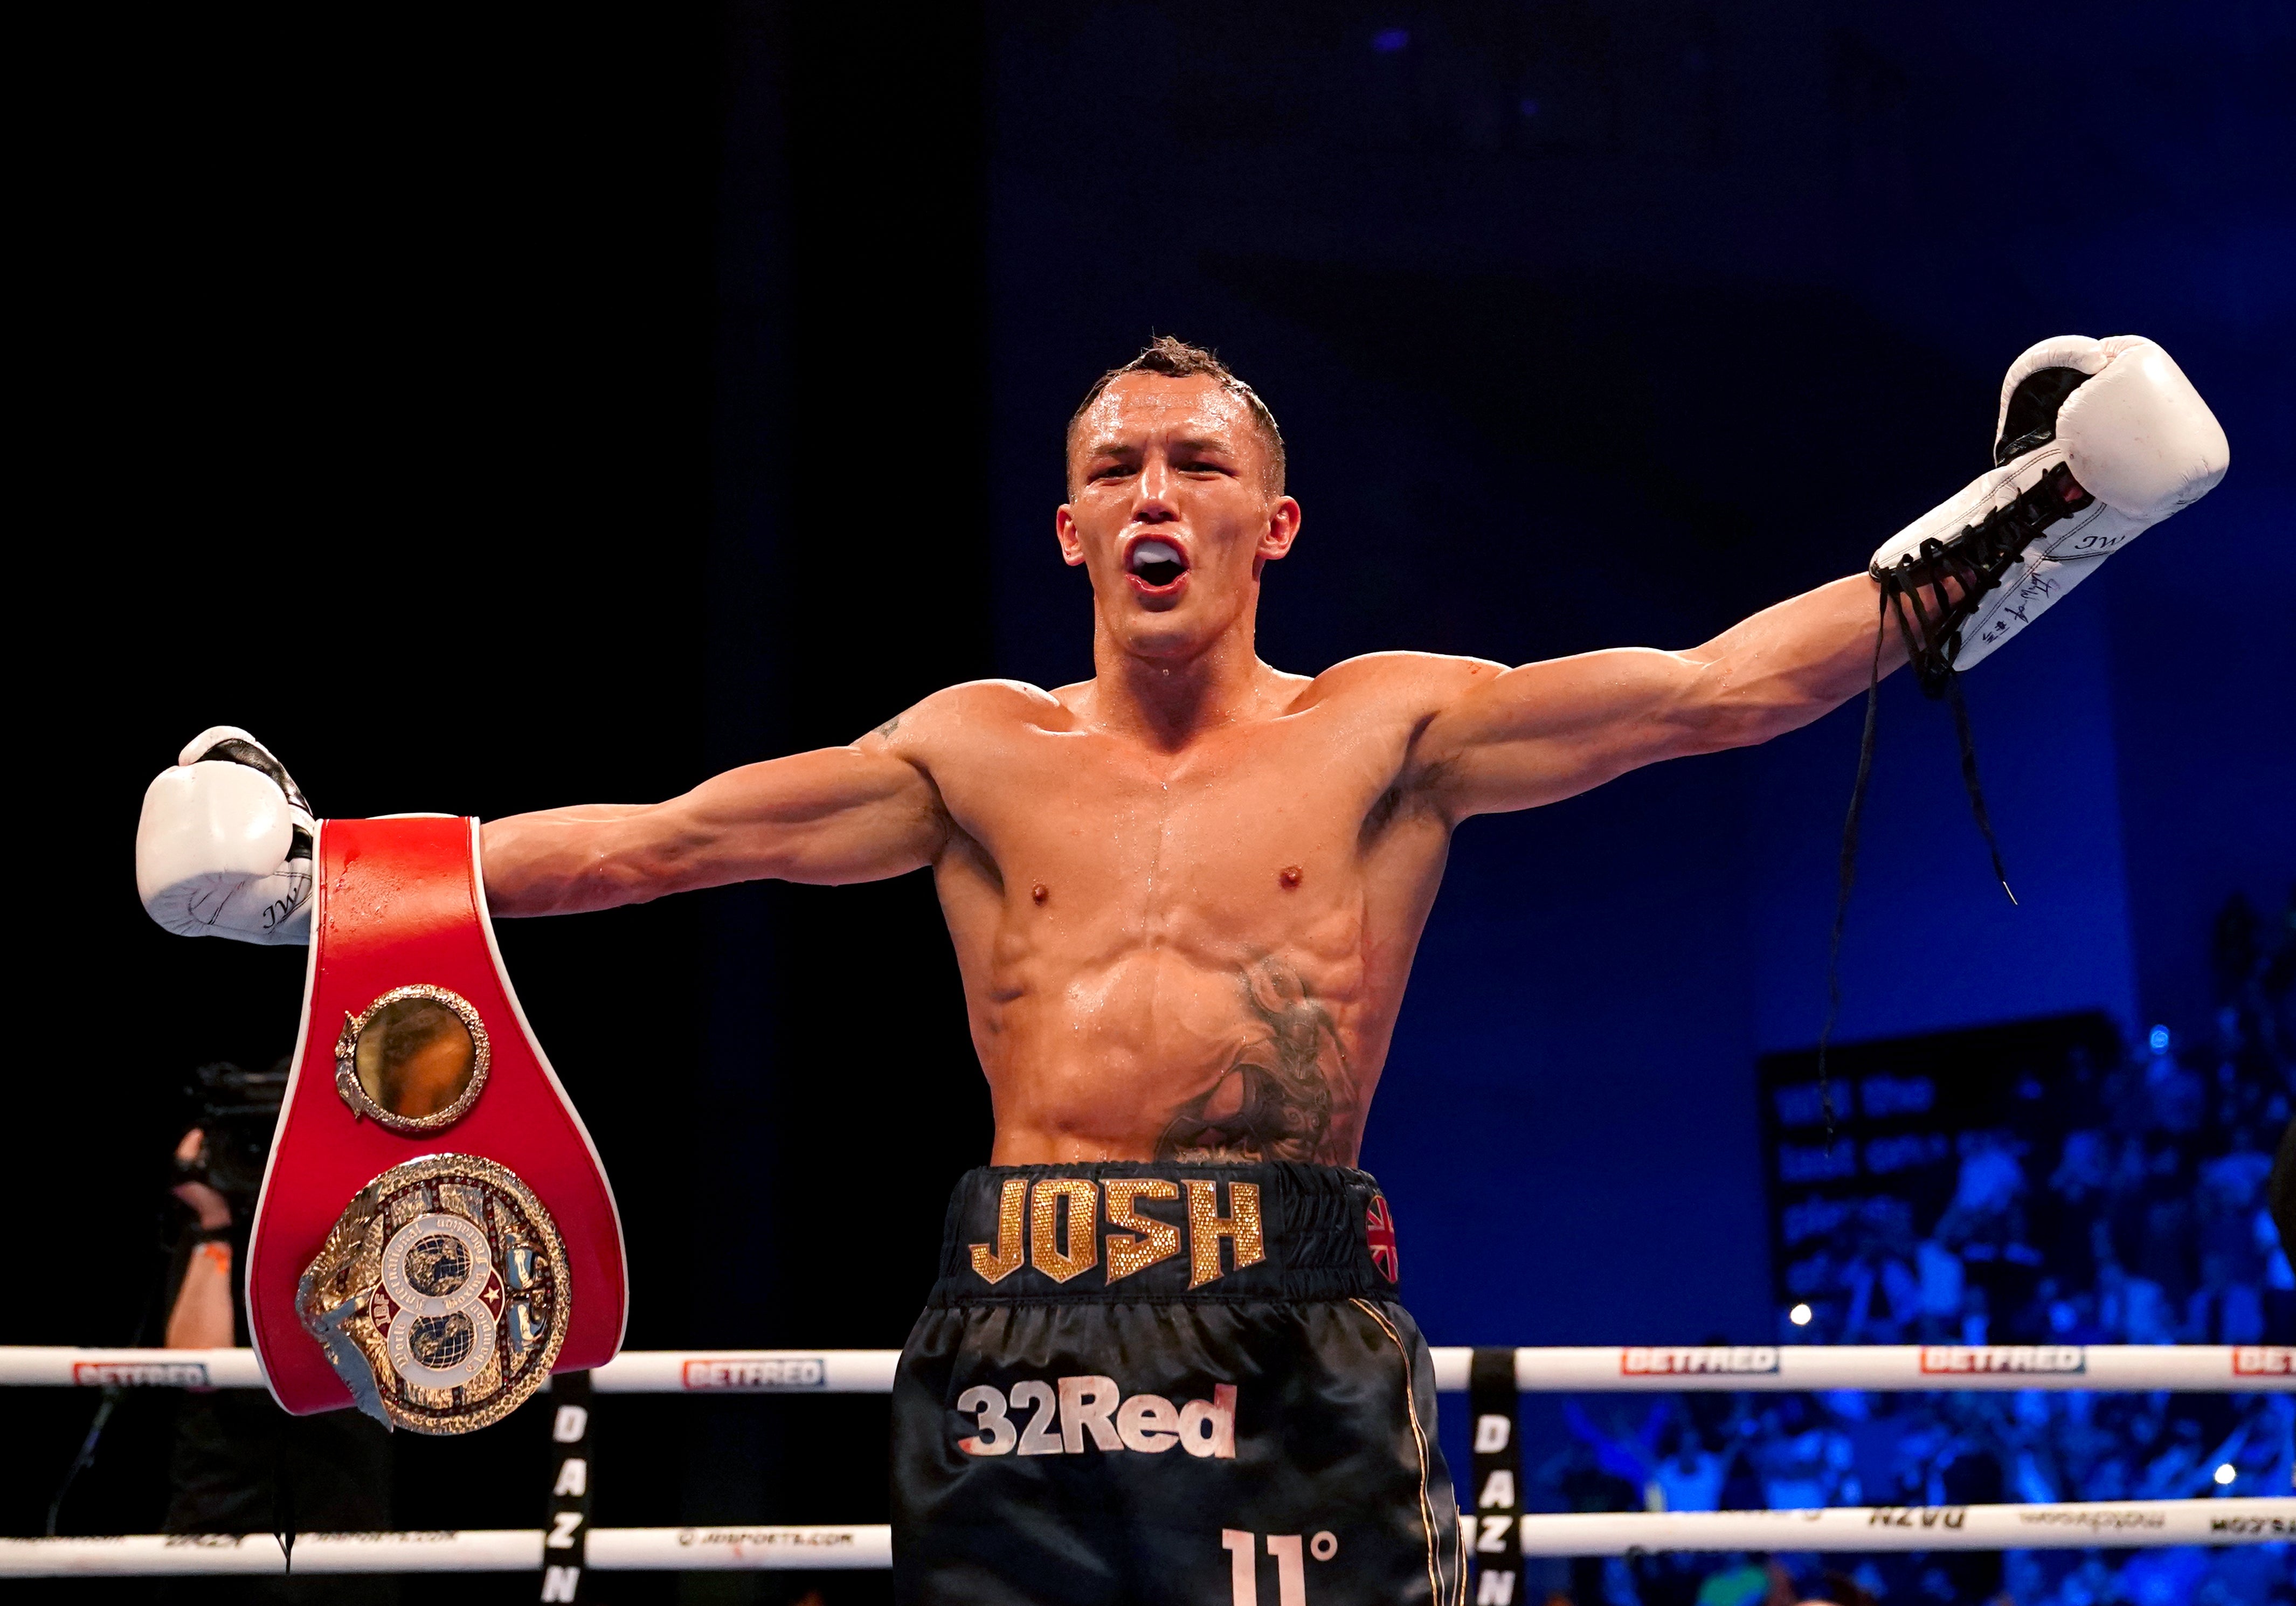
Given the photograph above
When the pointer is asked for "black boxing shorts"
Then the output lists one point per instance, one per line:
(1147, 1383)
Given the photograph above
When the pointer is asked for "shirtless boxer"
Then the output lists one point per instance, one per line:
(1164, 1361)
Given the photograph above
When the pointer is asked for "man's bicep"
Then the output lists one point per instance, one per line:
(829, 816)
(834, 815)
(1547, 731)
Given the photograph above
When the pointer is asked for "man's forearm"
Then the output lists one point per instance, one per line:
(1547, 731)
(555, 861)
(202, 1316)
(1794, 663)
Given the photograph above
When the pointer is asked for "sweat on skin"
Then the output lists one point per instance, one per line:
(1185, 894)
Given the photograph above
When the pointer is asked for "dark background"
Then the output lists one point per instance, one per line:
(493, 413)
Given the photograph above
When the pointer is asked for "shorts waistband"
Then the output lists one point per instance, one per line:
(1121, 1230)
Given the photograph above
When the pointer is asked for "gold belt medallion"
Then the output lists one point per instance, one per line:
(441, 1294)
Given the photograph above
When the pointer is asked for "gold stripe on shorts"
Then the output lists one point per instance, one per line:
(1419, 1439)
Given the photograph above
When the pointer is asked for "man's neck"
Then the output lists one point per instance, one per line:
(1168, 702)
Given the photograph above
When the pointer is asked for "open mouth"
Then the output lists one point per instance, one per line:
(1156, 563)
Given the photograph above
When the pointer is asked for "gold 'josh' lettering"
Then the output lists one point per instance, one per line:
(1158, 1240)
(1047, 1252)
(1207, 1226)
(1006, 1261)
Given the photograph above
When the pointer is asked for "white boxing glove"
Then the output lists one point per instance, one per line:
(2097, 441)
(224, 848)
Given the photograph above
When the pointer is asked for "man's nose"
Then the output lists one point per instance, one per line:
(1153, 498)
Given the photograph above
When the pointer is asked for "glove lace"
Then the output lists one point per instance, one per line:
(1974, 561)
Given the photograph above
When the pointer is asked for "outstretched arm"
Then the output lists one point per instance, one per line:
(2095, 442)
(858, 812)
(1518, 738)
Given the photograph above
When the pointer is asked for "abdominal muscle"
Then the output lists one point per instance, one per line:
(1157, 1054)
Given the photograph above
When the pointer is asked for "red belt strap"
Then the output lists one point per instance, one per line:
(401, 904)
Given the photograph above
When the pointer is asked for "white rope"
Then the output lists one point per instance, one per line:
(748, 1371)
(2191, 1368)
(60, 1367)
(760, 1549)
(2122, 1524)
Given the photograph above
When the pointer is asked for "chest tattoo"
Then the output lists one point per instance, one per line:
(1276, 1099)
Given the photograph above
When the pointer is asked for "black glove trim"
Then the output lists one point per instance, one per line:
(236, 750)
(2029, 421)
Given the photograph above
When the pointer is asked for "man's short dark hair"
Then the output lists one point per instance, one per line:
(1176, 359)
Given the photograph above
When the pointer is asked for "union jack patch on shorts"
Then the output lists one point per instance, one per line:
(1378, 1230)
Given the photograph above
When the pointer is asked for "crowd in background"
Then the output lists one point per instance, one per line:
(2129, 1209)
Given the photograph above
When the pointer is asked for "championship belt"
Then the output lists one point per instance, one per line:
(436, 1235)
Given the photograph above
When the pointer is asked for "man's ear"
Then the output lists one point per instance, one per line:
(1064, 531)
(1283, 529)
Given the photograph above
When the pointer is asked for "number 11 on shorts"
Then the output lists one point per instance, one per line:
(1290, 1572)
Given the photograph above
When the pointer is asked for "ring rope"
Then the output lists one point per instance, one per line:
(2069, 1525)
(2073, 1525)
(761, 1549)
(2189, 1368)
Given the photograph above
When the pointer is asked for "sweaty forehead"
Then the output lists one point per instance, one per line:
(1140, 405)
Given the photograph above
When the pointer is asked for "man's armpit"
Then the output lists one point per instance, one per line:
(1439, 760)
(960, 849)
(1422, 793)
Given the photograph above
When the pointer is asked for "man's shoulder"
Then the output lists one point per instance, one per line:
(1410, 680)
(977, 706)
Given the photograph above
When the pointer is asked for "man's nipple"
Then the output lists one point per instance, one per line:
(1038, 894)
(1288, 876)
